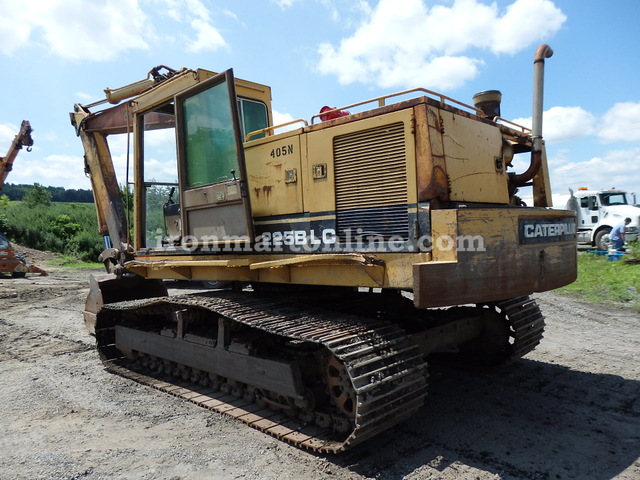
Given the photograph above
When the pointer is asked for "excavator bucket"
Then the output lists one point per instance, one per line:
(108, 288)
(31, 269)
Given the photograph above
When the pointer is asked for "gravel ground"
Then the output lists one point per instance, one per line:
(570, 410)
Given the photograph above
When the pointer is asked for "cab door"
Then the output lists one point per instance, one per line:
(215, 206)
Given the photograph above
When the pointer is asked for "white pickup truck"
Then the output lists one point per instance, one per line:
(598, 211)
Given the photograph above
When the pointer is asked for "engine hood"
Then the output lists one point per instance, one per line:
(615, 212)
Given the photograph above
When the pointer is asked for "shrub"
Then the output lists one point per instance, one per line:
(86, 247)
(65, 228)
(38, 196)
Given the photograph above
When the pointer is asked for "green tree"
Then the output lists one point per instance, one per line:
(38, 196)
(64, 227)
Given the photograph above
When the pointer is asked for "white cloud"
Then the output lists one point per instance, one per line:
(207, 37)
(161, 139)
(563, 123)
(525, 22)
(197, 9)
(416, 44)
(86, 97)
(621, 123)
(233, 16)
(284, 4)
(100, 31)
(8, 131)
(445, 72)
(75, 29)
(617, 168)
(197, 15)
(282, 118)
(30, 169)
(15, 27)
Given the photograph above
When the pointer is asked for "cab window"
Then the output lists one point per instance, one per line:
(253, 116)
(613, 199)
(210, 145)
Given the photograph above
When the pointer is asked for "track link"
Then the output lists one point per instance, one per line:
(382, 368)
(526, 323)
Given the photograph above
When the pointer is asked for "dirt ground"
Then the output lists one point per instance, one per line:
(570, 410)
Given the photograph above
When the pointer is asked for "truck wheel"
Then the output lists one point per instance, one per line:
(602, 239)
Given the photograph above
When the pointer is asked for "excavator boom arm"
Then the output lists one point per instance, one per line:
(110, 210)
(23, 138)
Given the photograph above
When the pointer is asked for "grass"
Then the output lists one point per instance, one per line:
(71, 261)
(606, 282)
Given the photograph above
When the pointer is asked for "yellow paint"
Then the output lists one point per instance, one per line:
(444, 235)
(471, 149)
(267, 164)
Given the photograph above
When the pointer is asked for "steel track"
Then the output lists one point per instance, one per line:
(526, 322)
(385, 368)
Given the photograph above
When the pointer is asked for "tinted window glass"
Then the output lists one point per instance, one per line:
(210, 144)
(254, 117)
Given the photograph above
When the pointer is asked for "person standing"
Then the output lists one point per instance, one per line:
(617, 235)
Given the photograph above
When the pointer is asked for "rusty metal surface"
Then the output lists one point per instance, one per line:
(433, 183)
(114, 120)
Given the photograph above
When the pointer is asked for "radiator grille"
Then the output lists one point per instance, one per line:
(371, 181)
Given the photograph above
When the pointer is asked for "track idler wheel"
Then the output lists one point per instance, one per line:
(340, 387)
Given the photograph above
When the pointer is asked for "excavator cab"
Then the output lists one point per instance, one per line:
(215, 204)
(208, 121)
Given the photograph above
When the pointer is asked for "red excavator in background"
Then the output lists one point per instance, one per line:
(10, 261)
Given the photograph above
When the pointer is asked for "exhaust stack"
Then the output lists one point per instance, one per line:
(543, 51)
(518, 180)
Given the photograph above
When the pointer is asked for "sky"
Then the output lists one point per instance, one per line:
(56, 53)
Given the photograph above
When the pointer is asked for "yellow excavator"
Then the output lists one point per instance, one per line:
(10, 261)
(356, 246)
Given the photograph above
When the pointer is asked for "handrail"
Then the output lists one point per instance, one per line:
(381, 102)
(268, 129)
(518, 127)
